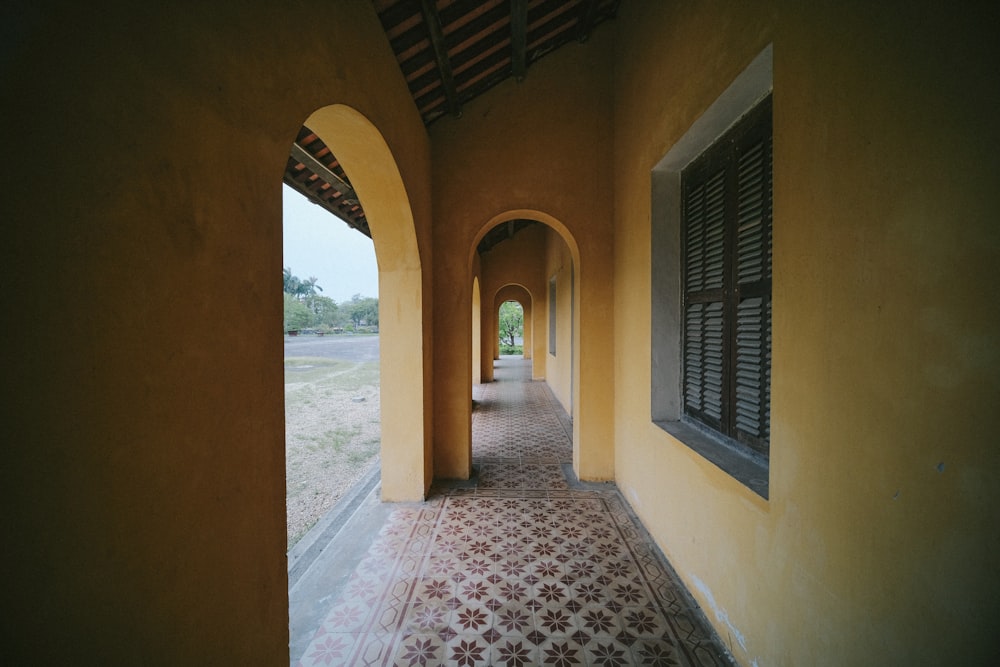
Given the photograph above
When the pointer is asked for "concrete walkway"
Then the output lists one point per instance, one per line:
(522, 565)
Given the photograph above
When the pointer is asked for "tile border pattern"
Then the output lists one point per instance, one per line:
(449, 581)
(524, 567)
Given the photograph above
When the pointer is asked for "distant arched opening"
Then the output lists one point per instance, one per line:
(523, 252)
(520, 295)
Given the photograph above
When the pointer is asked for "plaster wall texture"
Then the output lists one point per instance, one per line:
(143, 481)
(554, 127)
(559, 266)
(879, 542)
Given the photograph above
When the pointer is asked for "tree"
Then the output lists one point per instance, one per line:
(362, 310)
(511, 322)
(298, 288)
(308, 287)
(324, 309)
(297, 315)
(291, 283)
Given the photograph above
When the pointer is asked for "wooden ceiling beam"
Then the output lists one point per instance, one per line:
(433, 21)
(519, 38)
(588, 12)
(325, 175)
(304, 190)
(323, 172)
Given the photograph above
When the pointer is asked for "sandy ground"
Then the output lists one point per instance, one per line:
(332, 433)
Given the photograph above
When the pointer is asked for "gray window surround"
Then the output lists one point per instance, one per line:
(666, 409)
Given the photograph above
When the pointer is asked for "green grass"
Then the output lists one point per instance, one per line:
(333, 439)
(367, 450)
(327, 439)
(325, 377)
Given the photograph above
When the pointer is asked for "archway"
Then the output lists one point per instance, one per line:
(544, 252)
(366, 158)
(520, 294)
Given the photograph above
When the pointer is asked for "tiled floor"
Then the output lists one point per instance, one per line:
(523, 567)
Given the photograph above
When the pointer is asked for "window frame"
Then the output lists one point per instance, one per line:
(723, 160)
(666, 297)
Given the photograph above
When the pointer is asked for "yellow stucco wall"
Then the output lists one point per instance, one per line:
(879, 542)
(477, 331)
(559, 266)
(143, 480)
(555, 126)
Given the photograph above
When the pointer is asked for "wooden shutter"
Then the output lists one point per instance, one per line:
(752, 363)
(727, 283)
(704, 340)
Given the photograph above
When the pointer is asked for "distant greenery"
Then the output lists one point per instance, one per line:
(511, 349)
(511, 324)
(305, 309)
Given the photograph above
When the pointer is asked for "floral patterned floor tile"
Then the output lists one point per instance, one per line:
(524, 568)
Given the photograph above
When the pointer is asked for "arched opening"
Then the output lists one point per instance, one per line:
(510, 328)
(358, 173)
(518, 254)
(520, 295)
(374, 176)
(332, 415)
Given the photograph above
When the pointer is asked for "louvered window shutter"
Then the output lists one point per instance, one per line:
(727, 283)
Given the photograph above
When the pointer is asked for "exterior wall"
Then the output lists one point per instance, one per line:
(555, 127)
(143, 479)
(878, 544)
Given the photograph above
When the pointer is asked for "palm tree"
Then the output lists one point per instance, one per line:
(300, 289)
(308, 287)
(292, 285)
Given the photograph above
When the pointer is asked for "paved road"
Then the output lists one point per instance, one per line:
(339, 346)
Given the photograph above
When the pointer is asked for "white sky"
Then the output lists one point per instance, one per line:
(317, 243)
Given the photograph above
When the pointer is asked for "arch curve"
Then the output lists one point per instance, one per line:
(512, 269)
(522, 295)
(526, 214)
(372, 169)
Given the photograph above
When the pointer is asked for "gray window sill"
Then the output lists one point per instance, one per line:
(751, 471)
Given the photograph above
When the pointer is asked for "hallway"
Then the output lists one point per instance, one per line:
(521, 565)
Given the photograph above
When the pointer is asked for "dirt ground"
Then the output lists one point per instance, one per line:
(332, 433)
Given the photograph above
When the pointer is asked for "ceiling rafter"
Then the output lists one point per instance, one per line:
(450, 52)
(588, 12)
(433, 21)
(519, 38)
(325, 173)
(312, 166)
